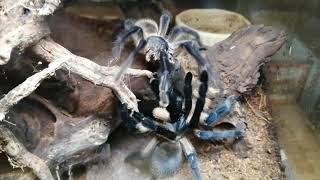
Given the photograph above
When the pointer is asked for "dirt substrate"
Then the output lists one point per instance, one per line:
(262, 161)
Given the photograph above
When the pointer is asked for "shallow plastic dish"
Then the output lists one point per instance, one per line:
(213, 25)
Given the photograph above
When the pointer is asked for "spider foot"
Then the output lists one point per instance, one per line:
(222, 110)
(218, 134)
(193, 163)
(191, 156)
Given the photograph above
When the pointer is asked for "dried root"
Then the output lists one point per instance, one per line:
(87, 69)
(20, 157)
(59, 58)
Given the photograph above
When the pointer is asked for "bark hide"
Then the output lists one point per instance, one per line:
(238, 58)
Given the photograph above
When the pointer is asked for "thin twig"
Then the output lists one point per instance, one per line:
(255, 112)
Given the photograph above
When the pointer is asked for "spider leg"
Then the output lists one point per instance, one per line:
(177, 44)
(181, 123)
(164, 80)
(146, 122)
(175, 97)
(137, 121)
(200, 101)
(164, 24)
(222, 110)
(149, 26)
(129, 122)
(148, 149)
(187, 94)
(123, 37)
(218, 134)
(154, 84)
(175, 106)
(130, 59)
(178, 30)
(191, 156)
(192, 49)
(141, 158)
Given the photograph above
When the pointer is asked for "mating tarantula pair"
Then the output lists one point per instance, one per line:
(153, 41)
(165, 150)
(171, 120)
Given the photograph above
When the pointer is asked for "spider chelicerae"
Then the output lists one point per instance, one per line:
(166, 149)
(153, 41)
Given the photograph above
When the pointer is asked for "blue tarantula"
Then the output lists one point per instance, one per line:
(153, 41)
(166, 149)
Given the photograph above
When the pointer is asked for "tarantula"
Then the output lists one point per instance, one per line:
(153, 40)
(165, 150)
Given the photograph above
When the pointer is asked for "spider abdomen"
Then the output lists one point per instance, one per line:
(166, 159)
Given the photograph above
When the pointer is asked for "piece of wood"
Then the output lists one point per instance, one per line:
(87, 69)
(20, 27)
(60, 57)
(21, 157)
(27, 87)
(239, 58)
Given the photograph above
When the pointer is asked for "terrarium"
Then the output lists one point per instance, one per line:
(159, 89)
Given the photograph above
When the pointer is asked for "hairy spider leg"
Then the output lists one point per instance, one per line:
(128, 121)
(203, 88)
(222, 110)
(122, 38)
(218, 134)
(148, 149)
(181, 123)
(154, 84)
(178, 30)
(175, 98)
(130, 59)
(193, 49)
(175, 106)
(164, 24)
(137, 121)
(141, 157)
(164, 80)
(152, 125)
(187, 94)
(191, 156)
(149, 26)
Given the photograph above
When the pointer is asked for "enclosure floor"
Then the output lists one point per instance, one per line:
(298, 141)
(216, 162)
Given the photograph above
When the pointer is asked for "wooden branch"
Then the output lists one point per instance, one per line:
(62, 58)
(21, 156)
(37, 7)
(87, 69)
(48, 7)
(19, 29)
(27, 87)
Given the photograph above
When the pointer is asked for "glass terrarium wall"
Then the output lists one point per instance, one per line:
(292, 79)
(294, 72)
